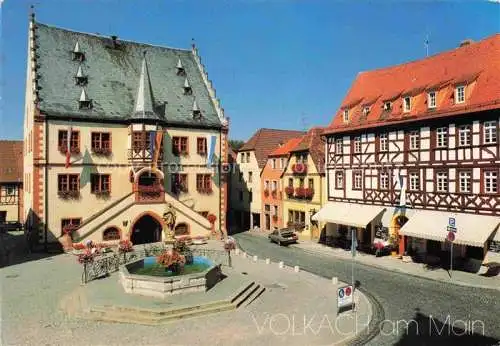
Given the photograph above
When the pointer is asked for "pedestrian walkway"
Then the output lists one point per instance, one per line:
(411, 268)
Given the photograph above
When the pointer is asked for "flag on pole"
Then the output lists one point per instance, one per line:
(211, 149)
(68, 147)
(158, 138)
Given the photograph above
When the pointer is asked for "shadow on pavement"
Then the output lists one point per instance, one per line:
(428, 330)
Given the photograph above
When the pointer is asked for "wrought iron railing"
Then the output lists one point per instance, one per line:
(105, 264)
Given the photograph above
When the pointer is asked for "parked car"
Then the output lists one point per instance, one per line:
(283, 236)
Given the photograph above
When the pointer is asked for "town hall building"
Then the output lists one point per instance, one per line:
(118, 132)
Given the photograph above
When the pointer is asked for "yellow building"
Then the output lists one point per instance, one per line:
(304, 181)
(120, 131)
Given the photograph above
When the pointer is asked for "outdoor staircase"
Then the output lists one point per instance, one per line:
(246, 295)
(114, 209)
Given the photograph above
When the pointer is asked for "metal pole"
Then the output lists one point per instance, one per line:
(353, 249)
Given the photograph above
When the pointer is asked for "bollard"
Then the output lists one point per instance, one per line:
(243, 254)
(268, 261)
(296, 269)
(281, 265)
(237, 251)
(335, 281)
(255, 258)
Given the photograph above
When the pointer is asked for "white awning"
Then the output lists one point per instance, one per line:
(472, 229)
(350, 214)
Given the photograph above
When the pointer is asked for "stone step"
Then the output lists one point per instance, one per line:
(132, 317)
(247, 295)
(156, 313)
(257, 294)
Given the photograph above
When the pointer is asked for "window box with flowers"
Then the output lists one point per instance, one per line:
(299, 192)
(308, 193)
(289, 191)
(69, 194)
(266, 192)
(205, 190)
(274, 193)
(299, 168)
(275, 217)
(102, 194)
(211, 218)
(101, 151)
(73, 150)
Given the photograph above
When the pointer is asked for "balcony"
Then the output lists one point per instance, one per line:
(149, 194)
(299, 168)
(143, 155)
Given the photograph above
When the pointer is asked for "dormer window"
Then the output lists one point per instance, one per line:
(431, 99)
(366, 110)
(180, 69)
(407, 103)
(84, 102)
(78, 55)
(187, 88)
(196, 111)
(460, 94)
(80, 79)
(346, 115)
(387, 106)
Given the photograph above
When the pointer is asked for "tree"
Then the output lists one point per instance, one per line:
(235, 144)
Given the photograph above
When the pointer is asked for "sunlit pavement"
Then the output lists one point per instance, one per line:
(416, 311)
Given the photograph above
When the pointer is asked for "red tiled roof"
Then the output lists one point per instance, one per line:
(265, 140)
(11, 161)
(313, 143)
(476, 64)
(287, 147)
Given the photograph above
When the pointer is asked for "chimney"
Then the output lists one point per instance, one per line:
(466, 42)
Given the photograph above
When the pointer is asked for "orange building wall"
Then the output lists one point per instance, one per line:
(270, 174)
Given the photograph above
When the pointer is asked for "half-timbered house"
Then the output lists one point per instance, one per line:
(414, 148)
(11, 182)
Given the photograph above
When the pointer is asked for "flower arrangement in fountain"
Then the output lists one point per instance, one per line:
(183, 248)
(172, 260)
(125, 246)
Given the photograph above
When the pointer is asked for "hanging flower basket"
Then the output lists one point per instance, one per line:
(86, 257)
(211, 218)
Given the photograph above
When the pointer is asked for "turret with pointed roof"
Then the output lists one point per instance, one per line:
(144, 103)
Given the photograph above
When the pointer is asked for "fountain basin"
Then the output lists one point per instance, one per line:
(145, 277)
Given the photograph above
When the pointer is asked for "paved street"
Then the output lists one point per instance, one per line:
(416, 311)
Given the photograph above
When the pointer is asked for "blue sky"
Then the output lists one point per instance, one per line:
(276, 63)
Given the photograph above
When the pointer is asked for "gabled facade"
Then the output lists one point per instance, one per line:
(11, 182)
(304, 184)
(414, 145)
(251, 159)
(119, 132)
(272, 187)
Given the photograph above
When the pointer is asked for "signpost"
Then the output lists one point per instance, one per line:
(345, 297)
(354, 244)
(451, 229)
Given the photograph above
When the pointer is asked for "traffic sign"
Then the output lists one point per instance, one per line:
(451, 222)
(451, 229)
(451, 236)
(345, 296)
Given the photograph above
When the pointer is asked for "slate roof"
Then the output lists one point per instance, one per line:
(11, 161)
(113, 78)
(264, 141)
(476, 64)
(314, 145)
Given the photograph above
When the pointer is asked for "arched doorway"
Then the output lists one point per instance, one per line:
(397, 222)
(111, 233)
(146, 229)
(181, 229)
